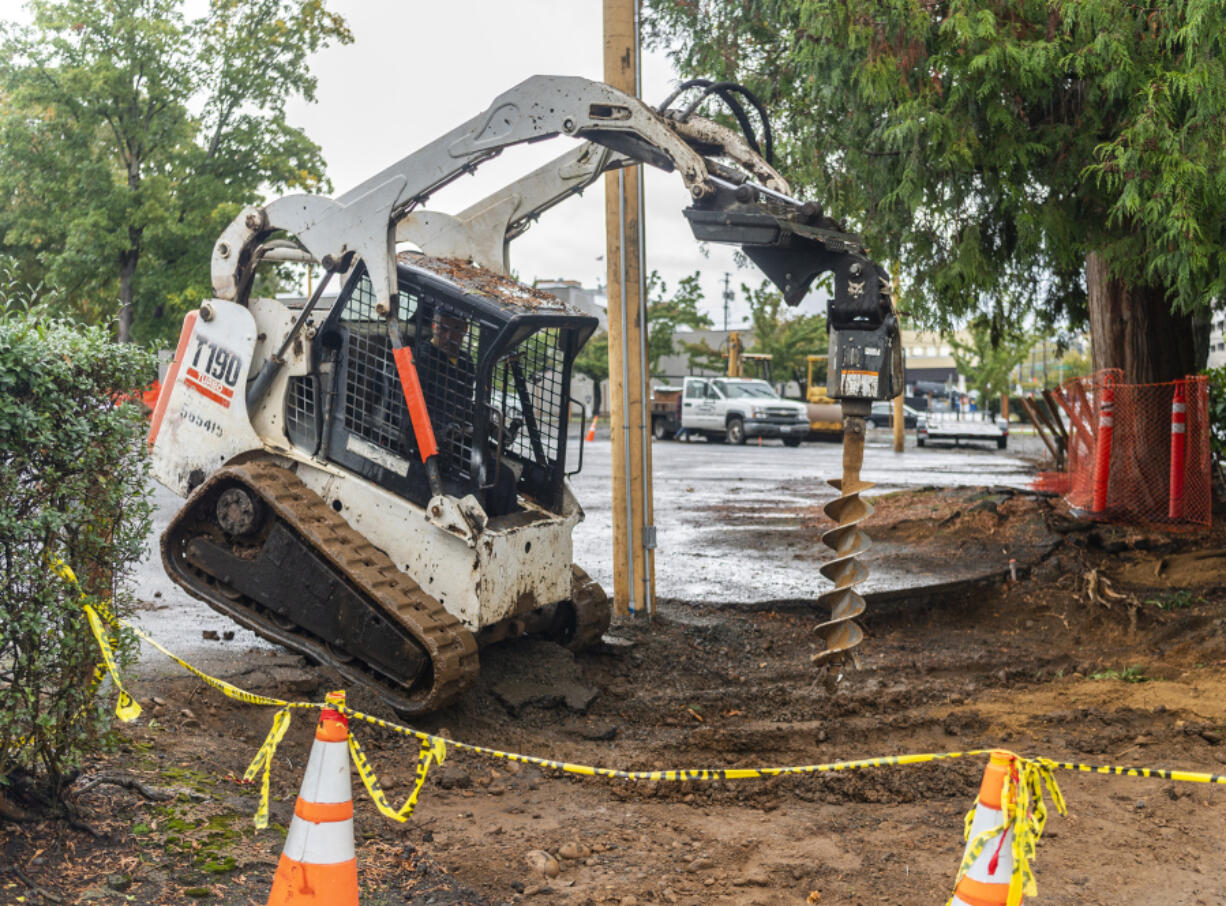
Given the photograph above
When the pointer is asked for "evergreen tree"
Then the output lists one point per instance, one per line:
(1067, 152)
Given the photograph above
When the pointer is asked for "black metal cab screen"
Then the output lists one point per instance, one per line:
(494, 358)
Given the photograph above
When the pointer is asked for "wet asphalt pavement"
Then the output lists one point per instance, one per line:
(697, 559)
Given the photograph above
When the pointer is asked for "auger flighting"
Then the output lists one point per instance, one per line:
(865, 364)
(840, 633)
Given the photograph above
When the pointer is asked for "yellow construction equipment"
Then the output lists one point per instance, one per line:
(757, 364)
(825, 414)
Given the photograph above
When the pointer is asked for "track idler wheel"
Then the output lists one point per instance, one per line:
(238, 513)
(584, 619)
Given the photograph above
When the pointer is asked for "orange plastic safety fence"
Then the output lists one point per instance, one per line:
(1053, 482)
(1150, 437)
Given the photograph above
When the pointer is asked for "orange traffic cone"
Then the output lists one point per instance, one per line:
(318, 864)
(986, 880)
(591, 431)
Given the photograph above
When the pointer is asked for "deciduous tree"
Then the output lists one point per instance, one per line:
(130, 135)
(989, 358)
(787, 337)
(593, 361)
(1037, 147)
(666, 314)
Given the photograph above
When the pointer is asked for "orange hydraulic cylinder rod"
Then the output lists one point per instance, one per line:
(416, 402)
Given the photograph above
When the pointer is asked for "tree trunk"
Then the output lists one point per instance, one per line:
(1132, 328)
(127, 271)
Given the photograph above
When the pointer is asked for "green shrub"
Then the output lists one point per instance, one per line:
(73, 469)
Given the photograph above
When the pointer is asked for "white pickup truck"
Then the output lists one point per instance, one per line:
(735, 409)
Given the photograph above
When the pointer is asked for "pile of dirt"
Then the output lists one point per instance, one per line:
(1109, 648)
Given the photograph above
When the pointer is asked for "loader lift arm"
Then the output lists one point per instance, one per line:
(744, 203)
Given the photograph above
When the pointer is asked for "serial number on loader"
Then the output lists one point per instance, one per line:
(207, 424)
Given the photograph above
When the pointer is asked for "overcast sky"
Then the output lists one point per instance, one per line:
(416, 70)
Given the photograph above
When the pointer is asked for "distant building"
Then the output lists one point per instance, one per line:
(674, 368)
(928, 362)
(592, 302)
(572, 292)
(1217, 339)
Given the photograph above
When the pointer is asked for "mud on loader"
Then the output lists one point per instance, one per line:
(380, 483)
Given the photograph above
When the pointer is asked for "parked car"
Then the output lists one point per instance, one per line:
(882, 416)
(971, 426)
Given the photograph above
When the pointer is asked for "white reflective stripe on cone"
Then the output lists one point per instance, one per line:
(319, 844)
(1179, 407)
(1179, 428)
(985, 820)
(327, 774)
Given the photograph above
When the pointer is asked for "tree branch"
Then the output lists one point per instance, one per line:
(128, 783)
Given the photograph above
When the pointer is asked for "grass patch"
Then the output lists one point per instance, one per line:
(1133, 674)
(1176, 600)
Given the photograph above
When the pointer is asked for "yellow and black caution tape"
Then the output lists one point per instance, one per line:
(1158, 773)
(1024, 787)
(263, 761)
(440, 744)
(674, 775)
(431, 753)
(126, 707)
(227, 689)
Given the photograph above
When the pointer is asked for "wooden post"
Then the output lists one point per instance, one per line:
(1059, 438)
(633, 564)
(1054, 411)
(1052, 446)
(899, 440)
(1004, 405)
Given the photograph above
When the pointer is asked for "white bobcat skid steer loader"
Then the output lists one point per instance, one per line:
(380, 484)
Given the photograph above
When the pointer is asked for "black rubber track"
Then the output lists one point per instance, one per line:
(450, 648)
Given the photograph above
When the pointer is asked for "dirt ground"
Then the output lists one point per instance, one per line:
(1109, 648)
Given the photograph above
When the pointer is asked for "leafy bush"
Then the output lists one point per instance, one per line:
(73, 470)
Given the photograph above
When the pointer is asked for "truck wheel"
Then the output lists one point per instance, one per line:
(869, 424)
(1001, 443)
(736, 431)
(791, 441)
(658, 430)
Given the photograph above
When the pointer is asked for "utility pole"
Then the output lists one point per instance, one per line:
(633, 523)
(727, 298)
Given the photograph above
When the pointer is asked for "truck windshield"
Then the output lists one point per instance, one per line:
(741, 389)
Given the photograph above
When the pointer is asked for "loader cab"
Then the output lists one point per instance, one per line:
(494, 358)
